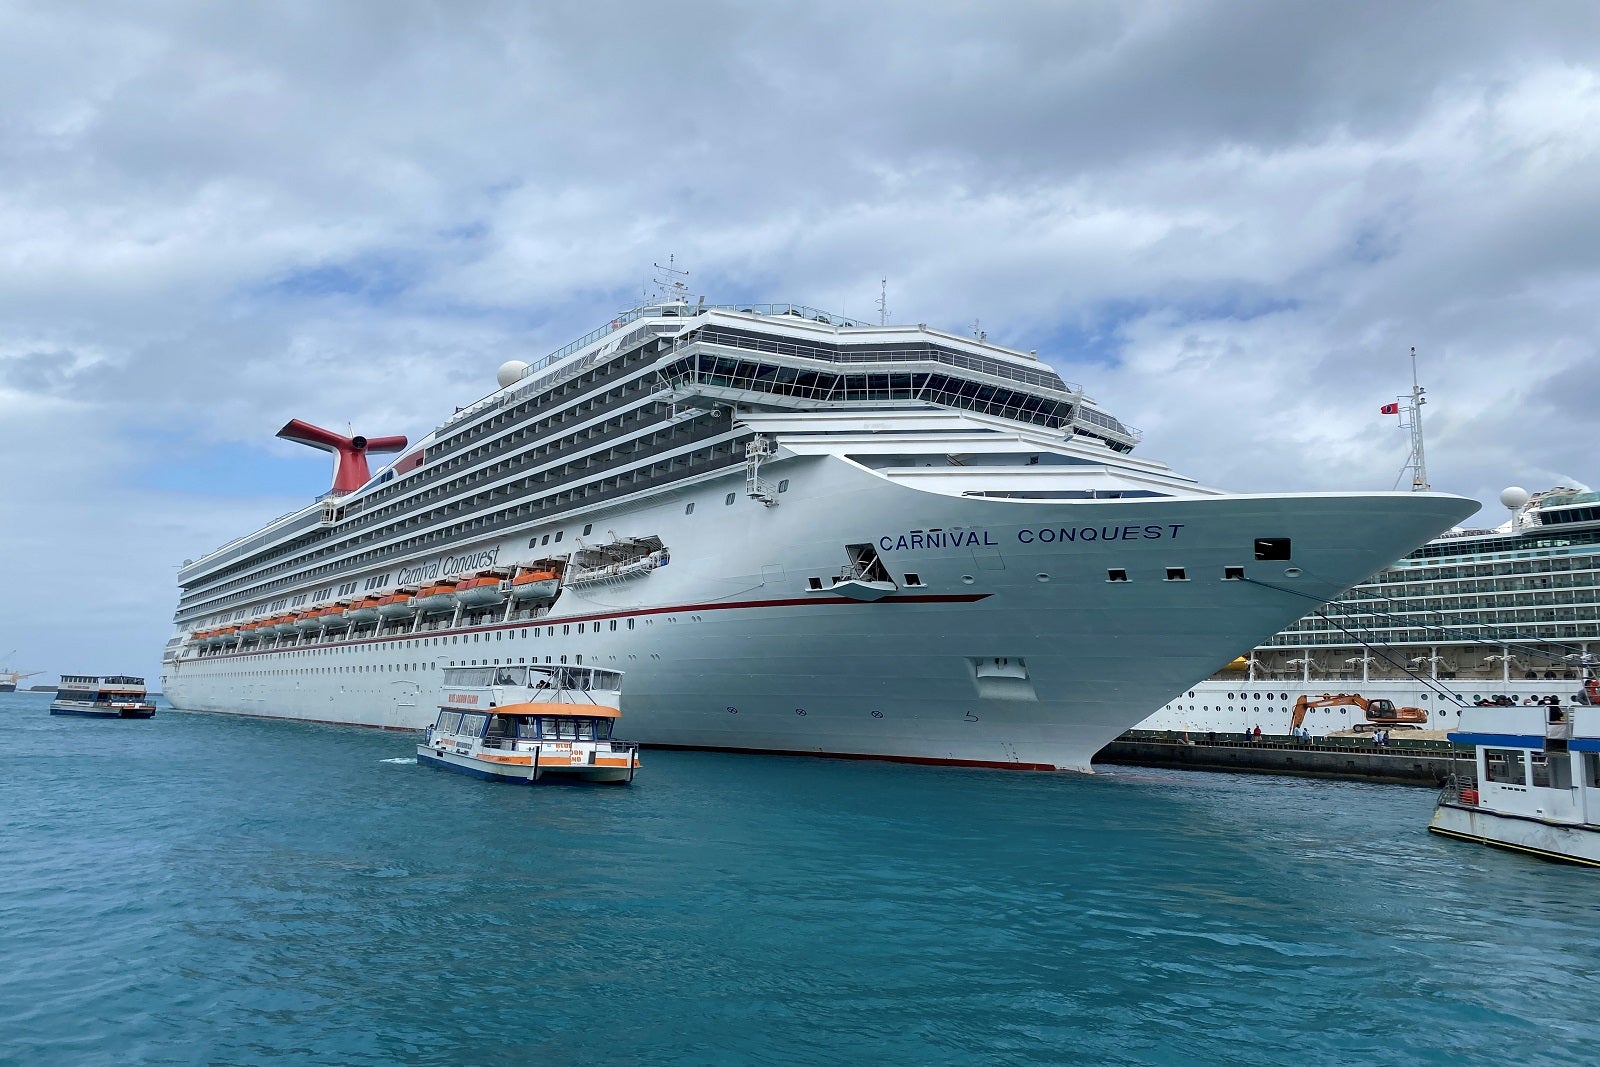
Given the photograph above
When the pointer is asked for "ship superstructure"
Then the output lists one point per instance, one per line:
(794, 532)
(1478, 616)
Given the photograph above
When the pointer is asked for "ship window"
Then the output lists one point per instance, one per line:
(613, 624)
(1272, 548)
(1176, 574)
(565, 630)
(913, 579)
(630, 624)
(1233, 574)
(783, 485)
(546, 540)
(688, 509)
(814, 583)
(558, 536)
(1116, 574)
(1504, 765)
(587, 528)
(728, 499)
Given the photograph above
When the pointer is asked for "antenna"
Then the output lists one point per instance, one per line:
(1410, 411)
(883, 303)
(978, 333)
(672, 284)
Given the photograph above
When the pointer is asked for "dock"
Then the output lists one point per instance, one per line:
(1423, 761)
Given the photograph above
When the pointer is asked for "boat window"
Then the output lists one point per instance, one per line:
(586, 729)
(528, 728)
(1504, 765)
(567, 729)
(449, 721)
(511, 676)
(468, 677)
(607, 680)
(602, 729)
(472, 724)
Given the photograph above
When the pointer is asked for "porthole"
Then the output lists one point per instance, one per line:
(1041, 577)
(688, 509)
(728, 499)
(1292, 572)
(587, 528)
(967, 579)
(783, 485)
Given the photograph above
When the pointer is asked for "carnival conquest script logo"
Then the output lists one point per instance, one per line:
(1045, 535)
(443, 565)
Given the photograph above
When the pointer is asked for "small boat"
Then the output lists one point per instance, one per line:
(363, 610)
(535, 584)
(308, 622)
(1535, 783)
(530, 724)
(440, 596)
(280, 625)
(334, 617)
(110, 696)
(396, 605)
(482, 591)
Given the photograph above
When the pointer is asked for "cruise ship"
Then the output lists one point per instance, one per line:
(790, 532)
(1509, 615)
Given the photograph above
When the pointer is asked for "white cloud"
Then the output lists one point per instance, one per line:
(214, 218)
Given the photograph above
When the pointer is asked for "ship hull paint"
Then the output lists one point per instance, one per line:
(1564, 843)
(730, 625)
(524, 776)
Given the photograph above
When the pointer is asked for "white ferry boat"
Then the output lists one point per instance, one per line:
(108, 696)
(1536, 781)
(1475, 617)
(529, 724)
(795, 532)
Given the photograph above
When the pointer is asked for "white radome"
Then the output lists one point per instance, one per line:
(1513, 497)
(510, 372)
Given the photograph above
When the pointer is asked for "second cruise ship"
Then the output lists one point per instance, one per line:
(789, 532)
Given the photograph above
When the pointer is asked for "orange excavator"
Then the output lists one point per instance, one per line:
(1379, 712)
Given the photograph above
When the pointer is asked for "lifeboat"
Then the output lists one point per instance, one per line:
(535, 585)
(482, 591)
(309, 622)
(440, 596)
(334, 617)
(396, 605)
(363, 610)
(280, 625)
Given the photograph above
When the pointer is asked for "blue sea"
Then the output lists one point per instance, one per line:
(197, 889)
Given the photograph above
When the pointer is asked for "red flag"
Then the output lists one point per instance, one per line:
(1389, 409)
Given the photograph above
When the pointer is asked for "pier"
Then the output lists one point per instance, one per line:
(1424, 761)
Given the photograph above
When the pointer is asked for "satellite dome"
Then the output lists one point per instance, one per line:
(510, 371)
(1514, 497)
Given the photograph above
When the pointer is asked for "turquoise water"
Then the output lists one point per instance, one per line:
(199, 889)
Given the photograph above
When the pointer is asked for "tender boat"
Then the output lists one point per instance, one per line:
(110, 696)
(308, 622)
(1535, 785)
(527, 724)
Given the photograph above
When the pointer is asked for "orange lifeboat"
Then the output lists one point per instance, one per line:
(440, 596)
(309, 622)
(481, 591)
(363, 610)
(396, 605)
(334, 617)
(535, 584)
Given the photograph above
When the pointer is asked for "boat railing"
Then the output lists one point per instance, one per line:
(1461, 789)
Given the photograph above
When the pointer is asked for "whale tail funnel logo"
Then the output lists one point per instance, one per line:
(350, 470)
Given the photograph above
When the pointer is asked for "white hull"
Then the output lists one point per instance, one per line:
(1522, 833)
(728, 647)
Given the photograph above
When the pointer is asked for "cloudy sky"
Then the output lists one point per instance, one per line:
(1230, 221)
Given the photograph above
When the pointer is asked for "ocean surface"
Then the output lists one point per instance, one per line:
(197, 889)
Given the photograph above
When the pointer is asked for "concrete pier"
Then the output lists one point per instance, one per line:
(1424, 762)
